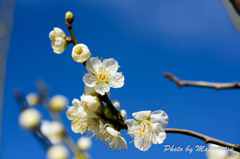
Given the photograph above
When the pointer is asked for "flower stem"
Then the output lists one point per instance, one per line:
(69, 26)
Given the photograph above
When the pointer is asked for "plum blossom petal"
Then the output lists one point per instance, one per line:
(89, 80)
(160, 117)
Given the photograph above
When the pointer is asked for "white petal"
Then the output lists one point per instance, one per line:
(159, 134)
(89, 80)
(122, 144)
(129, 122)
(112, 131)
(160, 117)
(93, 64)
(111, 65)
(51, 35)
(102, 87)
(132, 127)
(76, 102)
(142, 144)
(59, 45)
(142, 115)
(70, 112)
(117, 80)
(116, 104)
(59, 32)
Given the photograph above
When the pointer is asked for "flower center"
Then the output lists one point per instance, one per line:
(79, 50)
(144, 128)
(102, 77)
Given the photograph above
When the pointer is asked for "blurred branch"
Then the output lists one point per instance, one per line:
(217, 86)
(43, 90)
(233, 8)
(37, 132)
(205, 138)
(236, 5)
(6, 23)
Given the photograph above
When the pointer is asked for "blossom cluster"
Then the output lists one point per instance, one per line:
(94, 113)
(51, 132)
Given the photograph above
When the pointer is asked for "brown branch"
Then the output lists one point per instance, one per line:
(205, 138)
(236, 5)
(217, 86)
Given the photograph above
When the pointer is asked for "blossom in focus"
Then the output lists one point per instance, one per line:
(103, 75)
(30, 118)
(90, 103)
(147, 128)
(53, 130)
(58, 38)
(58, 152)
(58, 102)
(80, 53)
(82, 120)
(113, 138)
(84, 144)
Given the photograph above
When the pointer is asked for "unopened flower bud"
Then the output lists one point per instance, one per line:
(81, 53)
(90, 91)
(124, 114)
(58, 103)
(90, 103)
(116, 104)
(30, 118)
(58, 152)
(32, 99)
(69, 17)
(84, 144)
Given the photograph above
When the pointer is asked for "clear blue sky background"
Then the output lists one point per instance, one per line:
(193, 39)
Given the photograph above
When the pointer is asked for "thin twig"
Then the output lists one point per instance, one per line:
(205, 138)
(217, 86)
(37, 132)
(44, 93)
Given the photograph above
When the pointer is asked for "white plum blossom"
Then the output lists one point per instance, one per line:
(58, 152)
(80, 53)
(103, 75)
(219, 152)
(58, 103)
(90, 103)
(30, 118)
(113, 138)
(147, 129)
(32, 99)
(84, 144)
(216, 152)
(53, 130)
(83, 120)
(58, 38)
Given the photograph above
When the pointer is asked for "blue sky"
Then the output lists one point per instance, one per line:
(195, 40)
